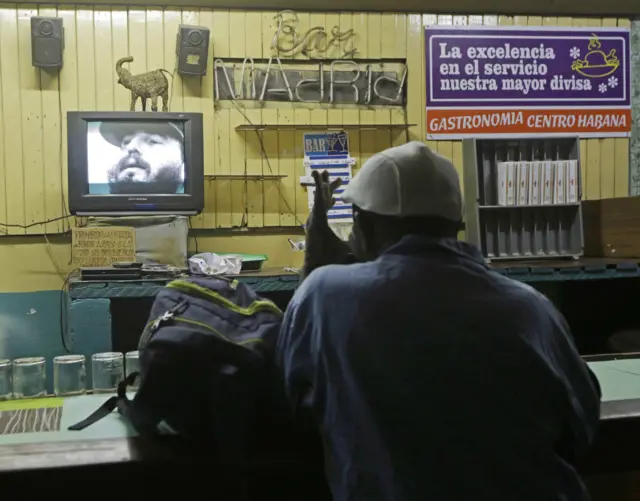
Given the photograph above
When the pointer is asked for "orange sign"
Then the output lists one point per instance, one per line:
(457, 123)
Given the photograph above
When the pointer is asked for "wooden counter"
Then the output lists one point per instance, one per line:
(110, 450)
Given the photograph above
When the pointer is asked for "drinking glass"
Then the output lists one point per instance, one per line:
(132, 364)
(69, 375)
(6, 391)
(29, 377)
(107, 370)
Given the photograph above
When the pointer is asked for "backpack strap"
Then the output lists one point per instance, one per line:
(119, 401)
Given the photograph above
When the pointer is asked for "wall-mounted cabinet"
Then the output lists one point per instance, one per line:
(522, 197)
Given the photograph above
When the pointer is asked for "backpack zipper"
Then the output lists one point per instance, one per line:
(217, 332)
(149, 331)
(197, 290)
(190, 288)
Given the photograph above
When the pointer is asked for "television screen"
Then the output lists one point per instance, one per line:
(127, 157)
(124, 163)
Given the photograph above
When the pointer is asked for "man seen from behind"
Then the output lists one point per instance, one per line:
(430, 376)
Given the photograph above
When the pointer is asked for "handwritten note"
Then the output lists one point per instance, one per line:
(102, 246)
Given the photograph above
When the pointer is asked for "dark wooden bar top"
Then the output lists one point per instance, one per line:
(165, 462)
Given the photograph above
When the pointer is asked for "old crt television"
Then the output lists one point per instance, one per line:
(135, 163)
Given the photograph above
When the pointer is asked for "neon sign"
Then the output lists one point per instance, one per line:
(340, 81)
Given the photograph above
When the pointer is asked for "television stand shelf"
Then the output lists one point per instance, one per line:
(95, 308)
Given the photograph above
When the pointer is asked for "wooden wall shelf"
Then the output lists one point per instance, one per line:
(339, 127)
(242, 177)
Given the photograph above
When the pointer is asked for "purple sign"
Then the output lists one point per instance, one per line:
(542, 67)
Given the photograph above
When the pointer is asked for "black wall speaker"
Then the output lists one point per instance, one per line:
(47, 42)
(192, 50)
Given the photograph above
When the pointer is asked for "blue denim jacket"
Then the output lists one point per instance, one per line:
(434, 378)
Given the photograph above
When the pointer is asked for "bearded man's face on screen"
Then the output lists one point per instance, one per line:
(151, 161)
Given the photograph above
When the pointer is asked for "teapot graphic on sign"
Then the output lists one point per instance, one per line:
(596, 64)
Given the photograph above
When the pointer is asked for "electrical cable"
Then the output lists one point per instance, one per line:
(64, 326)
(195, 239)
(266, 157)
(36, 223)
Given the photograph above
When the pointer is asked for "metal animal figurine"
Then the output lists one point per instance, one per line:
(149, 85)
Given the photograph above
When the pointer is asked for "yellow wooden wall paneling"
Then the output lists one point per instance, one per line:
(607, 158)
(271, 157)
(349, 114)
(319, 116)
(591, 173)
(3, 150)
(96, 37)
(171, 19)
(329, 20)
(301, 116)
(456, 146)
(137, 35)
(453, 149)
(218, 192)
(32, 166)
(427, 20)
(192, 92)
(383, 47)
(3, 181)
(105, 66)
(237, 159)
(283, 148)
(12, 109)
(154, 40)
(368, 29)
(584, 167)
(191, 86)
(120, 48)
(346, 24)
(271, 166)
(237, 48)
(399, 114)
(86, 61)
(621, 151)
(415, 78)
(207, 218)
(387, 39)
(334, 113)
(445, 148)
(253, 151)
(359, 24)
(352, 114)
(288, 167)
(69, 83)
(51, 143)
(272, 191)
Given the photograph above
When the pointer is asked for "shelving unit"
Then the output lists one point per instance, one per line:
(521, 232)
(243, 177)
(249, 127)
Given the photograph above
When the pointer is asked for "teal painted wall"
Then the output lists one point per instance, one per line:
(30, 326)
